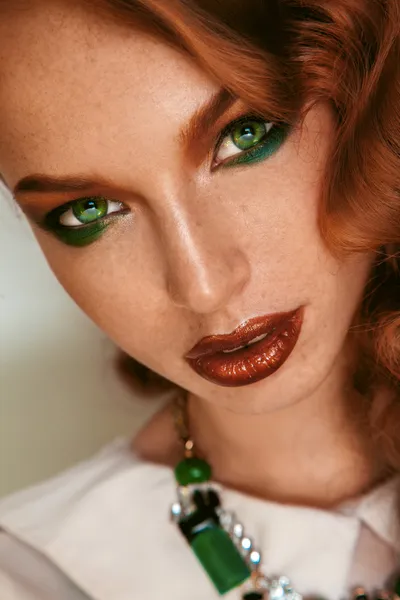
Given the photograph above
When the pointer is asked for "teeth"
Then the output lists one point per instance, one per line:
(257, 339)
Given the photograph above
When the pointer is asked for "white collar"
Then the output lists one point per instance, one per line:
(105, 524)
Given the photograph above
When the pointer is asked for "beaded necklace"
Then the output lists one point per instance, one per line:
(218, 539)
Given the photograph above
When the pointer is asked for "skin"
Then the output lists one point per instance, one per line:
(197, 252)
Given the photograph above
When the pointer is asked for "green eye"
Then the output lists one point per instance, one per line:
(246, 135)
(88, 210)
(82, 221)
(249, 140)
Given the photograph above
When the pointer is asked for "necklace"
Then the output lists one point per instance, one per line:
(219, 540)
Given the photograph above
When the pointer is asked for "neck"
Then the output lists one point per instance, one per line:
(315, 452)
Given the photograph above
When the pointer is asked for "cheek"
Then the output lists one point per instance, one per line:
(277, 208)
(109, 282)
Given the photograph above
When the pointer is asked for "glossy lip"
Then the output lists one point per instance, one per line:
(216, 359)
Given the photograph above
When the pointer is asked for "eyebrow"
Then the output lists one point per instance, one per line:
(43, 183)
(192, 136)
(205, 117)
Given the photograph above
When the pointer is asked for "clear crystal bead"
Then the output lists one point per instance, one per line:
(262, 583)
(227, 520)
(292, 595)
(176, 511)
(276, 591)
(184, 493)
(238, 530)
(255, 557)
(281, 589)
(185, 498)
(246, 544)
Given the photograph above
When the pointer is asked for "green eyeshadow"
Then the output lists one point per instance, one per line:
(81, 236)
(263, 150)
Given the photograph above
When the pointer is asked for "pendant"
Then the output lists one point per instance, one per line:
(218, 539)
(198, 520)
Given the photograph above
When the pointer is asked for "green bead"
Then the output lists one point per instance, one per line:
(220, 559)
(192, 470)
(253, 596)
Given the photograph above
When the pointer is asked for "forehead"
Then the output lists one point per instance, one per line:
(76, 79)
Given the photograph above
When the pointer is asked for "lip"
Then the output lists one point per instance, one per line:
(217, 359)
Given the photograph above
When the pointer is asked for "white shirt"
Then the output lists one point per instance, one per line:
(101, 531)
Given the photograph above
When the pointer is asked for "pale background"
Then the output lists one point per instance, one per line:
(60, 398)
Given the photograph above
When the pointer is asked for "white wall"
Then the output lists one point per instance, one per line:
(60, 398)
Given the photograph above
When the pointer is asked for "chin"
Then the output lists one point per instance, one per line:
(297, 380)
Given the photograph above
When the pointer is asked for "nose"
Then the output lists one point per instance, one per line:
(205, 267)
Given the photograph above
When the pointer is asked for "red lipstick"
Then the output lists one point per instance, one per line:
(253, 351)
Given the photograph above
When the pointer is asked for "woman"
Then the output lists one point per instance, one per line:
(217, 184)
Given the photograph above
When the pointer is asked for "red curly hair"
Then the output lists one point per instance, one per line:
(282, 57)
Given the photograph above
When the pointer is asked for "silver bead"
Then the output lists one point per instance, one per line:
(284, 581)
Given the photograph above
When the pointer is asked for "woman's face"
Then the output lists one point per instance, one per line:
(198, 238)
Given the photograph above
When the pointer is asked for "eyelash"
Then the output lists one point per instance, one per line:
(84, 233)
